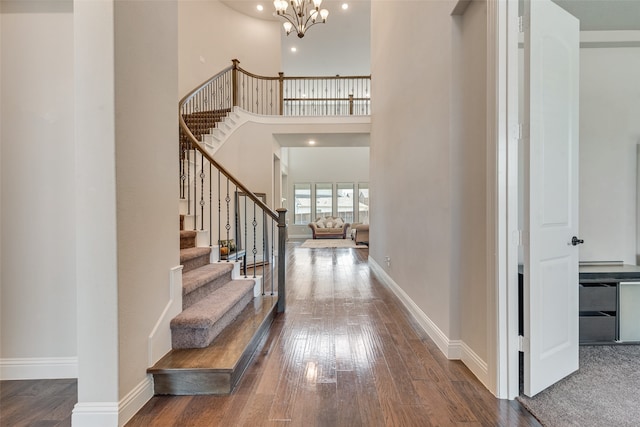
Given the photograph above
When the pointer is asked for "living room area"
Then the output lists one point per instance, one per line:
(328, 181)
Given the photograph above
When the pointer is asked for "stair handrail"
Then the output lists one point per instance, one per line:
(279, 215)
(195, 143)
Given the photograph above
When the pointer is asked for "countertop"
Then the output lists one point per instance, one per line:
(609, 272)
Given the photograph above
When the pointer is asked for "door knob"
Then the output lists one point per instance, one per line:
(575, 241)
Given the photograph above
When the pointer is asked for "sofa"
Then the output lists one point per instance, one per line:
(329, 227)
(360, 233)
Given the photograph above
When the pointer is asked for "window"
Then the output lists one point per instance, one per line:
(324, 200)
(302, 204)
(345, 199)
(363, 202)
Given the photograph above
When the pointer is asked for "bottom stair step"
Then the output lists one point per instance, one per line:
(200, 323)
(217, 368)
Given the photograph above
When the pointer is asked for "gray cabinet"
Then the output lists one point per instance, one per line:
(598, 312)
(609, 304)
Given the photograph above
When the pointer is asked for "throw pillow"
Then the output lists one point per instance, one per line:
(320, 224)
(329, 224)
(339, 223)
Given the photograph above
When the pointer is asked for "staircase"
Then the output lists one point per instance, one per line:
(206, 126)
(225, 315)
(223, 321)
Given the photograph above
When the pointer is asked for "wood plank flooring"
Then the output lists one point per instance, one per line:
(344, 354)
(39, 403)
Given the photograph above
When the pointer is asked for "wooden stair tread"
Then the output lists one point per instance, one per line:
(229, 348)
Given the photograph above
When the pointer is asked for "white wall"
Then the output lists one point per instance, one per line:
(212, 34)
(248, 155)
(609, 135)
(146, 87)
(96, 240)
(325, 165)
(38, 285)
(410, 156)
(127, 220)
(468, 178)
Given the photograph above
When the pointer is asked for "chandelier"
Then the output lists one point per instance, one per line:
(304, 14)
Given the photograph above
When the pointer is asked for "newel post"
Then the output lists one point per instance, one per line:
(234, 82)
(351, 104)
(282, 242)
(281, 79)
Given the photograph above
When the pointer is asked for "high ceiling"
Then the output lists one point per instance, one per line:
(341, 46)
(594, 15)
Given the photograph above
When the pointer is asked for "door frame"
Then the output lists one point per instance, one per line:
(502, 183)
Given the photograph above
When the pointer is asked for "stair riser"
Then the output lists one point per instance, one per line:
(194, 263)
(187, 242)
(192, 383)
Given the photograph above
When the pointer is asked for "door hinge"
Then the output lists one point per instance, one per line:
(520, 237)
(523, 24)
(520, 24)
(523, 131)
(523, 344)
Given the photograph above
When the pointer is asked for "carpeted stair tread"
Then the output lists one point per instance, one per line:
(199, 324)
(195, 279)
(191, 253)
(192, 258)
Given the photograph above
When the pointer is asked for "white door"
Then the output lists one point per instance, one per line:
(551, 141)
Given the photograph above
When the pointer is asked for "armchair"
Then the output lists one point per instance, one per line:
(360, 233)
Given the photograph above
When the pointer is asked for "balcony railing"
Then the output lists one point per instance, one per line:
(282, 95)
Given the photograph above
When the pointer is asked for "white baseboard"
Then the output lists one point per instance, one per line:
(451, 349)
(159, 342)
(38, 368)
(135, 400)
(95, 414)
(475, 364)
(113, 414)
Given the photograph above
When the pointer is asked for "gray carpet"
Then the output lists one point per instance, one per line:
(604, 392)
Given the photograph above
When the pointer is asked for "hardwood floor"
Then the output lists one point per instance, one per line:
(37, 403)
(344, 354)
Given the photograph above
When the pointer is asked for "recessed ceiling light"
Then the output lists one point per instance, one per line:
(260, 8)
(345, 6)
(312, 142)
(294, 49)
